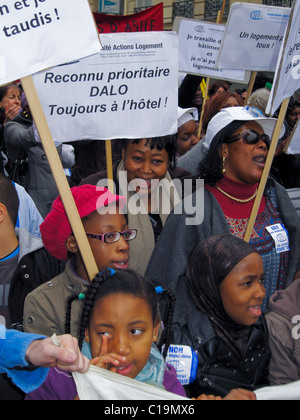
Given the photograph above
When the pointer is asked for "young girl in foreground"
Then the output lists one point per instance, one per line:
(119, 326)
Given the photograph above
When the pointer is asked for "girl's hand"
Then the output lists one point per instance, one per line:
(105, 360)
(240, 395)
(208, 398)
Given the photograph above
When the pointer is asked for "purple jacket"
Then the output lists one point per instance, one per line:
(60, 386)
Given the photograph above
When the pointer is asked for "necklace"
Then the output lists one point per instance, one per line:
(237, 199)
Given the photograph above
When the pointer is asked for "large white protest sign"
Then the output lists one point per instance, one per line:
(129, 90)
(287, 77)
(199, 45)
(253, 37)
(37, 34)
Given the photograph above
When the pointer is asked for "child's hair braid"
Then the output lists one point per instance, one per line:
(166, 340)
(90, 300)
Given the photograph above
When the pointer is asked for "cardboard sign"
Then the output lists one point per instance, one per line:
(253, 37)
(287, 76)
(37, 34)
(199, 45)
(151, 19)
(129, 90)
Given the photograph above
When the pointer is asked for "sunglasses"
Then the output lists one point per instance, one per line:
(113, 237)
(251, 137)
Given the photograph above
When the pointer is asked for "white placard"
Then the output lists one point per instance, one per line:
(287, 77)
(253, 37)
(129, 90)
(294, 148)
(199, 45)
(37, 34)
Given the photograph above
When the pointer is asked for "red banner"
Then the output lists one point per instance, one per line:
(151, 19)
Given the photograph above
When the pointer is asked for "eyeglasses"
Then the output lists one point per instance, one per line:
(113, 237)
(251, 137)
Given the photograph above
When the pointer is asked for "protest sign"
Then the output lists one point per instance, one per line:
(199, 45)
(151, 19)
(37, 34)
(129, 90)
(34, 35)
(253, 37)
(287, 76)
(294, 147)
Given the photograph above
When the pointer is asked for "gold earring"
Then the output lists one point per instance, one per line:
(224, 167)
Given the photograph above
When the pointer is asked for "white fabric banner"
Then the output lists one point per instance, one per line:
(289, 392)
(129, 90)
(37, 34)
(253, 37)
(101, 384)
(199, 45)
(287, 76)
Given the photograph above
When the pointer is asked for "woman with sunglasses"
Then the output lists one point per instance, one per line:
(238, 145)
(109, 237)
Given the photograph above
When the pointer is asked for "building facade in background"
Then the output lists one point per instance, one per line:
(197, 9)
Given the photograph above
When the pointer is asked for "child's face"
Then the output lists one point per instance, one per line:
(108, 255)
(127, 322)
(243, 292)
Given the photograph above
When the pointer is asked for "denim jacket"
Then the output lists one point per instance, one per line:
(13, 346)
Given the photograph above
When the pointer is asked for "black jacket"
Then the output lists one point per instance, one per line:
(34, 269)
(219, 370)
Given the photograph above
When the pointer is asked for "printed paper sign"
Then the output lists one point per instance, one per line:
(253, 37)
(129, 90)
(287, 76)
(37, 34)
(294, 148)
(199, 45)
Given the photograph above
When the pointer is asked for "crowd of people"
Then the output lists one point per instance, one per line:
(162, 280)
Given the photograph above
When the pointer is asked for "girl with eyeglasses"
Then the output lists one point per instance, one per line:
(238, 145)
(108, 234)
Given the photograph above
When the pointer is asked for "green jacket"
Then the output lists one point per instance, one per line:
(46, 307)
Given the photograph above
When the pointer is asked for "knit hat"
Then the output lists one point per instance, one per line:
(56, 228)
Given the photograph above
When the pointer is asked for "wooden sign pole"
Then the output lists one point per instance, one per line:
(251, 86)
(109, 166)
(59, 176)
(269, 162)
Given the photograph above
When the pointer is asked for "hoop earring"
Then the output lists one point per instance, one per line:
(224, 167)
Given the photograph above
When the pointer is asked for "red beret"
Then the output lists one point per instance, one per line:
(56, 228)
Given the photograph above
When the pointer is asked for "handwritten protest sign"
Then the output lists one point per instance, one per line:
(199, 45)
(253, 37)
(129, 90)
(37, 34)
(151, 19)
(287, 76)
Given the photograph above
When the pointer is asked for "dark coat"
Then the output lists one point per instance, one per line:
(219, 370)
(33, 270)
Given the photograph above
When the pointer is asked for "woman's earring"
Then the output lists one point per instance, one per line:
(224, 167)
